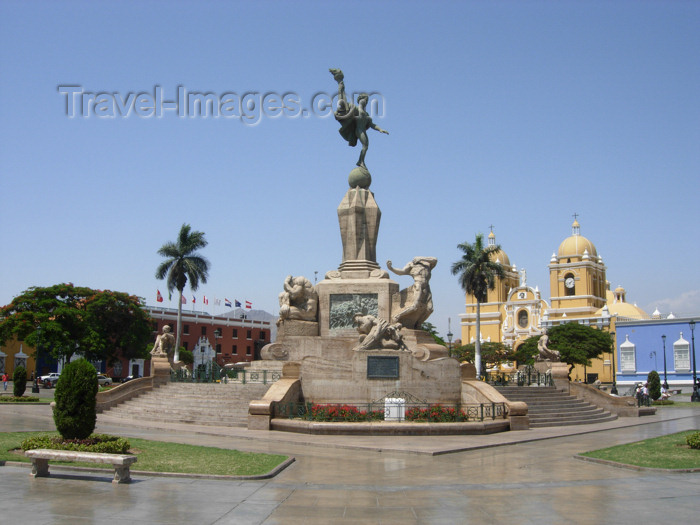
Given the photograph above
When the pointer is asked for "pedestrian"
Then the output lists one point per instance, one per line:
(645, 394)
(4, 381)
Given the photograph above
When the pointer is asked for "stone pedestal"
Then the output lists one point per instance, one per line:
(340, 298)
(160, 370)
(559, 371)
(560, 375)
(359, 215)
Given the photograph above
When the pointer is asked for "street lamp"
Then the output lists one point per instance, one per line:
(613, 390)
(696, 395)
(449, 336)
(663, 338)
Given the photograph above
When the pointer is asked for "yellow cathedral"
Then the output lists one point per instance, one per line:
(579, 292)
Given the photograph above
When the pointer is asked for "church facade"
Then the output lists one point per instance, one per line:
(579, 292)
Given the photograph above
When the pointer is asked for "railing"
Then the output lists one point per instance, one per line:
(217, 374)
(529, 376)
(410, 412)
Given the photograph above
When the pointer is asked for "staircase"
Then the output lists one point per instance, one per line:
(213, 404)
(549, 407)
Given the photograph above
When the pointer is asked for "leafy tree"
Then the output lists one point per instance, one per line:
(183, 263)
(19, 381)
(432, 330)
(477, 275)
(577, 343)
(492, 354)
(527, 351)
(65, 319)
(654, 385)
(75, 413)
(186, 356)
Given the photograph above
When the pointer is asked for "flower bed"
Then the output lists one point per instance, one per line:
(436, 413)
(343, 413)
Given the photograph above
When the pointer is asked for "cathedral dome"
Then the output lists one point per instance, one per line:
(498, 256)
(576, 245)
(618, 305)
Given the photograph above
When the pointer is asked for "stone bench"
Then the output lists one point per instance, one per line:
(40, 461)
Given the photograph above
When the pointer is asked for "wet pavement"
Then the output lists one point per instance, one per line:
(518, 477)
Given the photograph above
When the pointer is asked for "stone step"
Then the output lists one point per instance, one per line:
(551, 416)
(189, 411)
(548, 406)
(546, 400)
(539, 424)
(556, 409)
(192, 403)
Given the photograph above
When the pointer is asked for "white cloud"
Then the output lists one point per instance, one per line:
(687, 303)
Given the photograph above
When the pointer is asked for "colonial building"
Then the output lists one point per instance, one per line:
(665, 345)
(513, 310)
(579, 292)
(234, 339)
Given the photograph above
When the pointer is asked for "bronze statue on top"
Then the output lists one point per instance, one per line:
(354, 120)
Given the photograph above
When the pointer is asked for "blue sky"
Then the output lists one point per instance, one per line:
(516, 114)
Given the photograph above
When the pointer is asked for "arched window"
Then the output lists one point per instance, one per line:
(681, 355)
(628, 357)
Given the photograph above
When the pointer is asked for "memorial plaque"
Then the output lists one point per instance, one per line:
(344, 306)
(382, 367)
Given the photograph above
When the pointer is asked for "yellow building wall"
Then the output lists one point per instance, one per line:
(11, 348)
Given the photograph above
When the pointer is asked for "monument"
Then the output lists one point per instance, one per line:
(356, 337)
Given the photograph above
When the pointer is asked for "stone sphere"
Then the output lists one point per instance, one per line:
(359, 177)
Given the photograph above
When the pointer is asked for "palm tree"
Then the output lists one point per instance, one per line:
(183, 263)
(477, 275)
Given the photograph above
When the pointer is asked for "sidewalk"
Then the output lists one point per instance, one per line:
(521, 477)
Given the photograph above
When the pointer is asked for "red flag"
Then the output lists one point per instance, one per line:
(184, 300)
(205, 300)
(159, 297)
(248, 305)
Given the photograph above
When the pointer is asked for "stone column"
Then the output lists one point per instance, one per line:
(359, 215)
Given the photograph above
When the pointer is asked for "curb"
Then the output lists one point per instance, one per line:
(636, 467)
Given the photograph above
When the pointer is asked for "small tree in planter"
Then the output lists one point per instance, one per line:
(75, 413)
(654, 385)
(19, 381)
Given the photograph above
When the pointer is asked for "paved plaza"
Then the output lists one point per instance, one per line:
(514, 477)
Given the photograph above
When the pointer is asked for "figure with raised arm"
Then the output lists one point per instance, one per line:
(354, 120)
(420, 269)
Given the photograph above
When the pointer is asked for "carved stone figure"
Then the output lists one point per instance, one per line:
(377, 333)
(420, 269)
(354, 120)
(165, 343)
(299, 300)
(545, 354)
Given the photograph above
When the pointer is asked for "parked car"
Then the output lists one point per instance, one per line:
(129, 378)
(49, 381)
(103, 380)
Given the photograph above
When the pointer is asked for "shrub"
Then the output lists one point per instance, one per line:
(75, 413)
(95, 443)
(8, 399)
(435, 413)
(19, 381)
(654, 385)
(693, 440)
(344, 413)
(663, 402)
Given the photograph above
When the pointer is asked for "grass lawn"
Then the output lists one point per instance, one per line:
(669, 452)
(158, 456)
